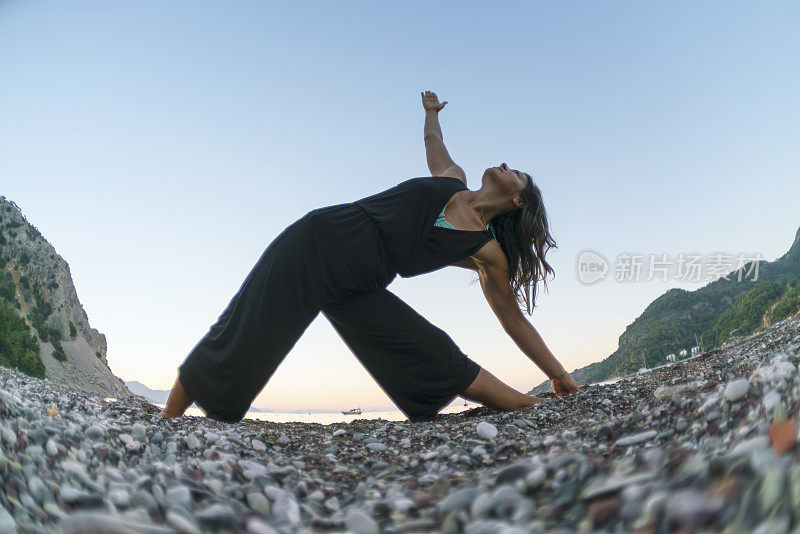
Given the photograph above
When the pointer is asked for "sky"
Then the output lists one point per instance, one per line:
(161, 146)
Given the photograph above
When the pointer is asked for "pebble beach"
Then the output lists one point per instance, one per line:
(705, 445)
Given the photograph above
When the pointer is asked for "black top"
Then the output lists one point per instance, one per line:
(405, 216)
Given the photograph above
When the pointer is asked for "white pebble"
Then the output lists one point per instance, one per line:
(180, 523)
(737, 389)
(9, 436)
(256, 526)
(286, 509)
(258, 502)
(191, 441)
(641, 437)
(771, 399)
(487, 430)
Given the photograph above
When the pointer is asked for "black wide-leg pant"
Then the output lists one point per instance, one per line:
(331, 261)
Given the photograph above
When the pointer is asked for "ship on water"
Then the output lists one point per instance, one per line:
(354, 411)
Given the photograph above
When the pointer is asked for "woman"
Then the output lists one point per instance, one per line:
(339, 259)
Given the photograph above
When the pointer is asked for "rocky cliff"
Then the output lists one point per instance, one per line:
(37, 287)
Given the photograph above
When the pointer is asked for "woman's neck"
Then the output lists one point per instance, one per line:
(485, 205)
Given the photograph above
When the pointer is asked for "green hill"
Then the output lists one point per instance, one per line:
(677, 318)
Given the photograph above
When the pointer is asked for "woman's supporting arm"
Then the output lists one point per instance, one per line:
(497, 289)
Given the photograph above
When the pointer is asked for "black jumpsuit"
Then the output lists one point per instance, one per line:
(339, 260)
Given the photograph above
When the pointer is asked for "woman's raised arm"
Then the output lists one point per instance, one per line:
(439, 161)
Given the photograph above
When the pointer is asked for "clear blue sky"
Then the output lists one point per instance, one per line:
(160, 147)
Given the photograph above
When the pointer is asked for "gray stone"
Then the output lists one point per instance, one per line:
(178, 495)
(217, 515)
(181, 523)
(514, 471)
(96, 431)
(458, 500)
(692, 507)
(77, 497)
(358, 522)
(7, 523)
(96, 522)
(505, 499)
(636, 438)
(258, 502)
(614, 484)
(120, 498)
(139, 432)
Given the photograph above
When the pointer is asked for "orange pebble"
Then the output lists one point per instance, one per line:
(784, 435)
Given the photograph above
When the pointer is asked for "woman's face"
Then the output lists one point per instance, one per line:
(506, 179)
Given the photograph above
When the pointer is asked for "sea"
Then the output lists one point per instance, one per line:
(610, 381)
(328, 418)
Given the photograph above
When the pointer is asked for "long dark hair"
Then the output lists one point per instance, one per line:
(524, 236)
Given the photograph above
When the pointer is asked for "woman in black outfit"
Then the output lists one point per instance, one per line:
(339, 259)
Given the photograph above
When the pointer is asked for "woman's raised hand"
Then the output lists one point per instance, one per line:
(564, 385)
(431, 102)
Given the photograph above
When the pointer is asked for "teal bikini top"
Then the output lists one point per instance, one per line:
(441, 221)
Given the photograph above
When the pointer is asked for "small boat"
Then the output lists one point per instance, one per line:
(354, 411)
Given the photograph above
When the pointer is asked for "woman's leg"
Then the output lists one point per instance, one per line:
(177, 402)
(490, 391)
(280, 297)
(416, 363)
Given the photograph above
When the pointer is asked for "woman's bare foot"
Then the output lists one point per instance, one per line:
(534, 400)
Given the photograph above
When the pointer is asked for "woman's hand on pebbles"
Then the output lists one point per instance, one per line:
(564, 385)
(430, 102)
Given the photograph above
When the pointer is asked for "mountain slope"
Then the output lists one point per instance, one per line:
(677, 318)
(39, 308)
(158, 396)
